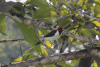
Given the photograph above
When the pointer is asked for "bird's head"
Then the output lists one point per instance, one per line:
(60, 29)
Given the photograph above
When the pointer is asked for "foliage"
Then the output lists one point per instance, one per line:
(95, 64)
(70, 19)
(2, 24)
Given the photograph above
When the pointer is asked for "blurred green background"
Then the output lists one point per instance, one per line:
(11, 50)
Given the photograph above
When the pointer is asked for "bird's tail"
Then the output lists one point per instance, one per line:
(37, 43)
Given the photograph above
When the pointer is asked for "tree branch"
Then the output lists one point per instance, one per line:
(47, 26)
(11, 40)
(37, 23)
(42, 25)
(75, 36)
(67, 33)
(57, 58)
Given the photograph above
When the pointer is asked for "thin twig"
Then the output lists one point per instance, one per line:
(36, 33)
(11, 40)
(21, 50)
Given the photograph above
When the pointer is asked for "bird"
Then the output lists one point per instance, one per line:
(53, 35)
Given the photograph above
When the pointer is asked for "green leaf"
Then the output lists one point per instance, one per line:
(37, 3)
(73, 2)
(50, 65)
(48, 21)
(2, 27)
(2, 24)
(80, 2)
(89, 6)
(74, 62)
(44, 51)
(27, 54)
(66, 4)
(95, 64)
(54, 1)
(60, 40)
(79, 29)
(93, 31)
(96, 24)
(44, 32)
(64, 64)
(65, 12)
(96, 0)
(72, 26)
(73, 12)
(43, 10)
(29, 35)
(65, 22)
(83, 32)
(2, 17)
(97, 10)
(70, 40)
(17, 10)
(17, 60)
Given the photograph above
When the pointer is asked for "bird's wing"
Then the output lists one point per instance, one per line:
(50, 34)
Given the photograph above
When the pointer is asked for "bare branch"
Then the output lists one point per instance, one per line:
(42, 25)
(91, 40)
(37, 23)
(57, 58)
(11, 40)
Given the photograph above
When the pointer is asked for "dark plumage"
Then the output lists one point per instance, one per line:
(51, 33)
